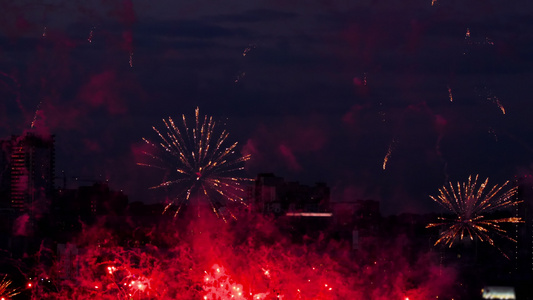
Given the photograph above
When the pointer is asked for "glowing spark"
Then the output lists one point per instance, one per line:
(90, 38)
(389, 152)
(266, 272)
(450, 94)
(198, 163)
(364, 79)
(44, 31)
(433, 2)
(248, 49)
(467, 35)
(499, 104)
(386, 158)
(221, 286)
(496, 101)
(489, 95)
(36, 113)
(131, 59)
(470, 208)
(239, 77)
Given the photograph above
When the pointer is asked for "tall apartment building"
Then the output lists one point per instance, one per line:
(5, 174)
(27, 170)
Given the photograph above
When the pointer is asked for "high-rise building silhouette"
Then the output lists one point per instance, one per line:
(5, 174)
(27, 173)
(273, 195)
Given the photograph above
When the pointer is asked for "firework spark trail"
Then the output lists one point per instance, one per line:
(489, 95)
(198, 162)
(90, 38)
(450, 94)
(5, 288)
(248, 49)
(386, 159)
(488, 41)
(388, 155)
(239, 77)
(36, 113)
(496, 101)
(470, 209)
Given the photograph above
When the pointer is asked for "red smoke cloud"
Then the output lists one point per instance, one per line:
(250, 258)
(281, 145)
(21, 226)
(289, 158)
(353, 117)
(102, 90)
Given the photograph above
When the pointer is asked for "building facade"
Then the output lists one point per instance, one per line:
(27, 164)
(273, 195)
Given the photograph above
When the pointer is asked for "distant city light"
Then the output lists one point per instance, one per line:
(498, 292)
(308, 214)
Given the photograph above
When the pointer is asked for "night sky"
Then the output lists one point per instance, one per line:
(314, 90)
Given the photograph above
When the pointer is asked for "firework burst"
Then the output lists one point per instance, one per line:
(471, 208)
(198, 164)
(6, 292)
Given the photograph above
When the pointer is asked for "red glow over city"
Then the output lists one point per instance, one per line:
(248, 258)
(266, 150)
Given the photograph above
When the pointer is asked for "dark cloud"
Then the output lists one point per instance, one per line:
(192, 29)
(255, 16)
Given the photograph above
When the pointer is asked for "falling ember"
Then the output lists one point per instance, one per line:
(470, 208)
(131, 59)
(90, 38)
(450, 94)
(44, 31)
(364, 79)
(199, 163)
(433, 2)
(467, 35)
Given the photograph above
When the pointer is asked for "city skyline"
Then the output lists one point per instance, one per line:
(380, 101)
(318, 149)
